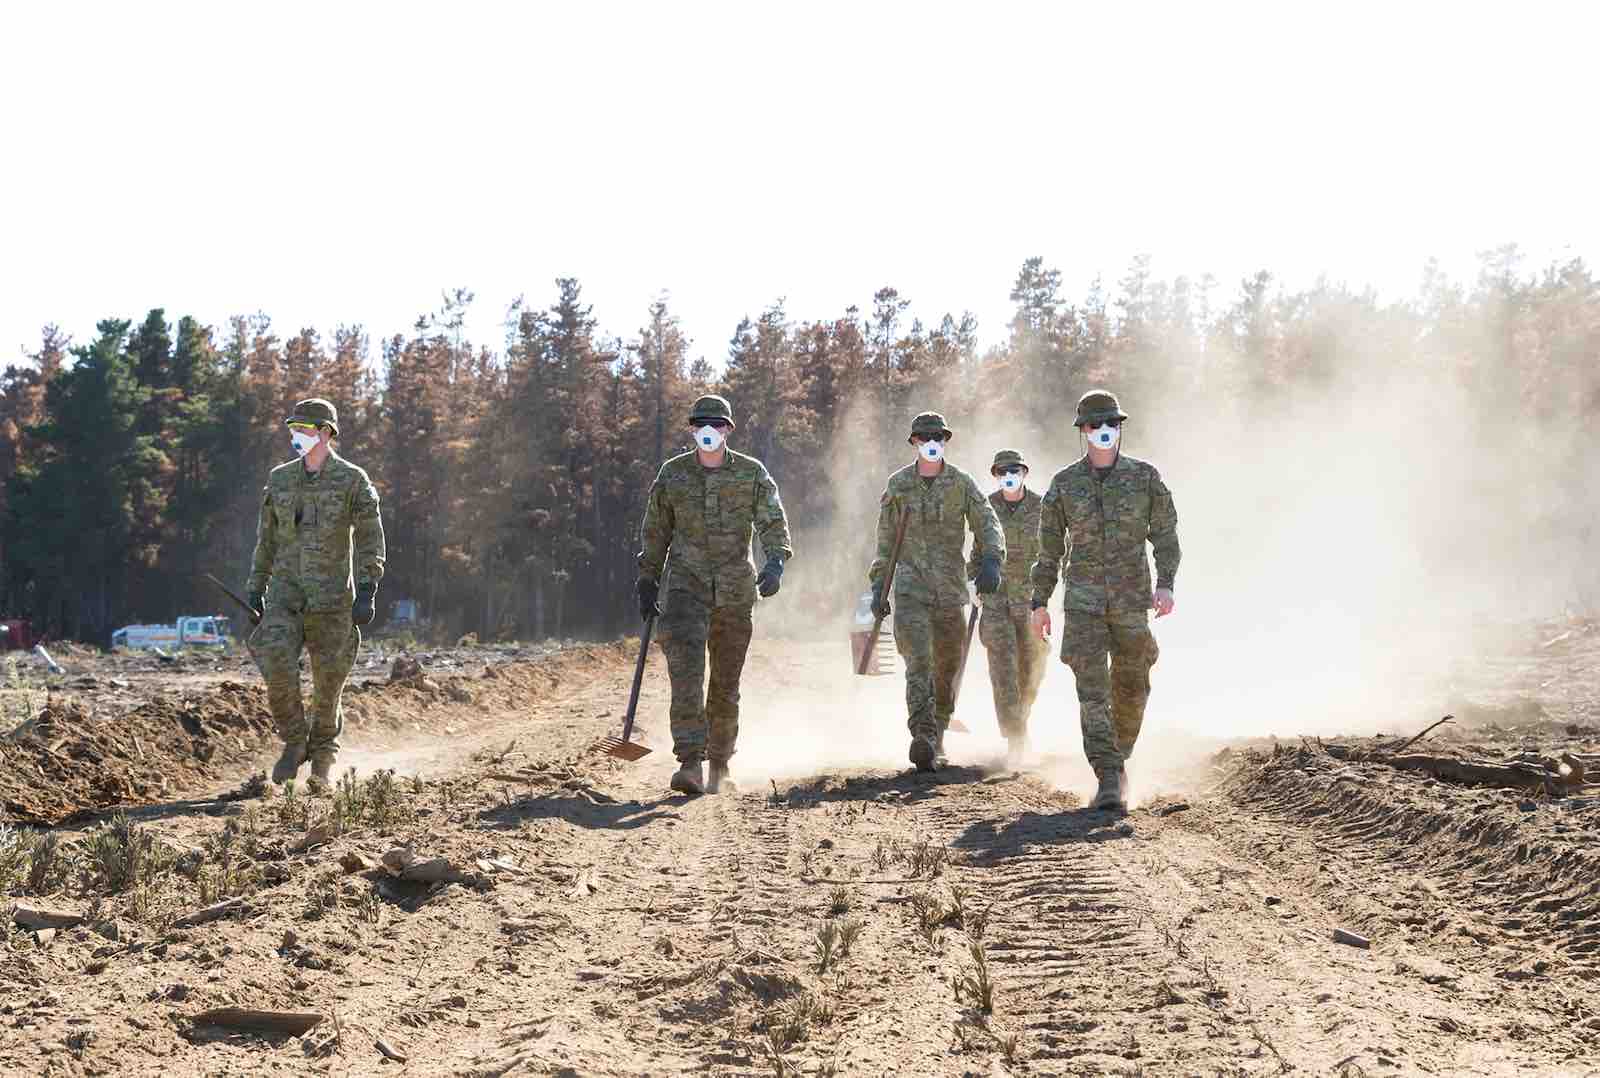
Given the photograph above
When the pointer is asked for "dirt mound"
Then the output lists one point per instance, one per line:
(1523, 862)
(76, 758)
(71, 759)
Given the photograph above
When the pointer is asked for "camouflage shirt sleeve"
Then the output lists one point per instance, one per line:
(772, 525)
(888, 524)
(655, 534)
(1163, 531)
(985, 525)
(370, 551)
(266, 545)
(1054, 546)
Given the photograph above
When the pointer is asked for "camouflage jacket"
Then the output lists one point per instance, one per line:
(304, 535)
(1100, 528)
(931, 567)
(705, 517)
(1019, 521)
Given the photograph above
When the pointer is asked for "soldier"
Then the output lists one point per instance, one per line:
(930, 580)
(702, 508)
(313, 509)
(1016, 654)
(1098, 514)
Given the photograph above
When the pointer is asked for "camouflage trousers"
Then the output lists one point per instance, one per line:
(1110, 657)
(331, 641)
(929, 640)
(705, 720)
(1016, 662)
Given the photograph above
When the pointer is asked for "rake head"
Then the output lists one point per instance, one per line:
(622, 750)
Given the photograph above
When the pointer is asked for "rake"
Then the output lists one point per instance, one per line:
(621, 747)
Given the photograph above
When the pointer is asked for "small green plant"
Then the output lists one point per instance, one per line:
(977, 922)
(322, 894)
(840, 900)
(958, 904)
(369, 907)
(975, 986)
(122, 855)
(930, 913)
(926, 857)
(826, 944)
(849, 932)
(1010, 1046)
(882, 854)
(44, 863)
(13, 857)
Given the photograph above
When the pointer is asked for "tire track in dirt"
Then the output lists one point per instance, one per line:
(1133, 947)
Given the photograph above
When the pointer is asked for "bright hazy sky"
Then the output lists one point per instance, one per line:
(344, 162)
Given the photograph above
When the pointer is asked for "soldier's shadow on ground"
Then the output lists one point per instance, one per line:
(581, 809)
(985, 843)
(902, 788)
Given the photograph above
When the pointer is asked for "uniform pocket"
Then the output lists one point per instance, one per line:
(283, 508)
(737, 507)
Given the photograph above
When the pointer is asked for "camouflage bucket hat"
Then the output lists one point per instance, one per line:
(1097, 406)
(930, 425)
(711, 407)
(1006, 458)
(317, 412)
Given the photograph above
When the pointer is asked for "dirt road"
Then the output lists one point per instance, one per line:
(990, 924)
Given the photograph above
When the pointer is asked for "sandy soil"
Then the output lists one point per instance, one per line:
(598, 925)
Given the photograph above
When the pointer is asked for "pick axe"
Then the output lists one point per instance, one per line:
(230, 593)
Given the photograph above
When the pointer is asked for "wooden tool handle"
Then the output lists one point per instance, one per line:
(888, 589)
(638, 676)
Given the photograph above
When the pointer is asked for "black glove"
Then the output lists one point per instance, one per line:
(258, 606)
(364, 609)
(988, 579)
(767, 580)
(648, 591)
(880, 605)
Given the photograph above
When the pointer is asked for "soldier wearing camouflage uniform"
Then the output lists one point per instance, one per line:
(930, 579)
(1016, 654)
(1098, 514)
(703, 508)
(318, 514)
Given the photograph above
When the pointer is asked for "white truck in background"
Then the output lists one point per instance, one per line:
(190, 631)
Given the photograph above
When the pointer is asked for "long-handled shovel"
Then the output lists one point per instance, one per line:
(966, 649)
(621, 747)
(870, 643)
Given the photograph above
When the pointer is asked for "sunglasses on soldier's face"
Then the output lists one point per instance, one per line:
(718, 424)
(310, 428)
(1105, 423)
(1011, 469)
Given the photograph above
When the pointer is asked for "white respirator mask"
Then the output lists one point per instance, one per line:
(1011, 481)
(932, 452)
(304, 442)
(1105, 436)
(708, 438)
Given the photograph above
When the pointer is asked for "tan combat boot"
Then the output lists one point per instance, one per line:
(690, 778)
(924, 753)
(1109, 795)
(321, 777)
(1016, 749)
(940, 759)
(288, 765)
(719, 780)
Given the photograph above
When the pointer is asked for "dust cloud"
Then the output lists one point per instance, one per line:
(1349, 555)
